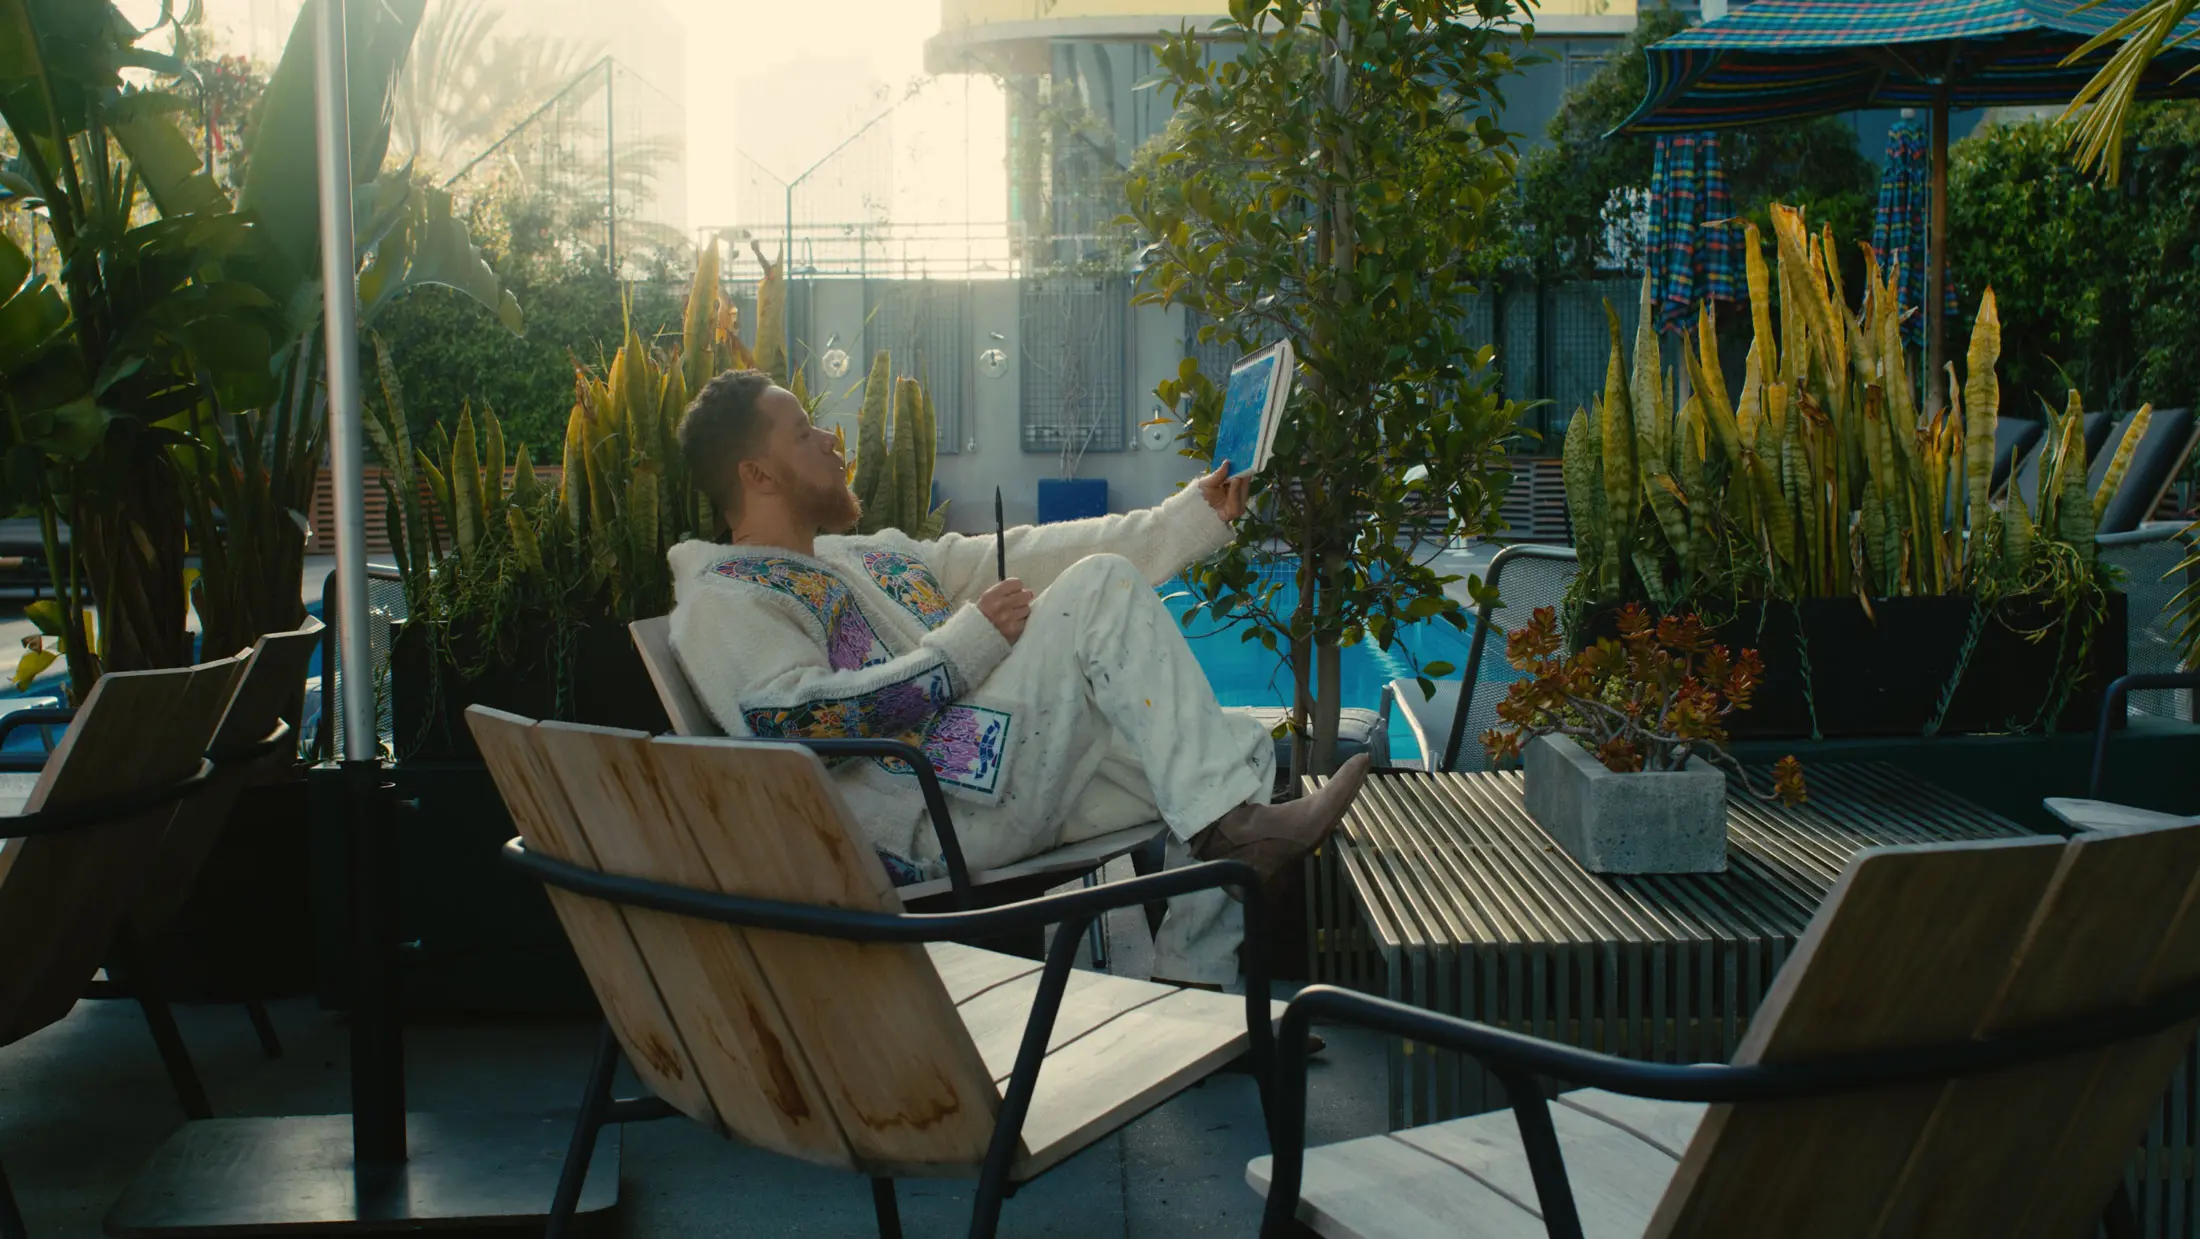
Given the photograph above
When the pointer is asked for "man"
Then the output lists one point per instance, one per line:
(1050, 717)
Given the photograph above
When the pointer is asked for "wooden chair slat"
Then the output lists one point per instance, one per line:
(653, 640)
(1124, 1067)
(767, 821)
(68, 893)
(1860, 978)
(1669, 1125)
(273, 676)
(705, 972)
(599, 931)
(1617, 1176)
(2115, 897)
(967, 971)
(996, 1018)
(1382, 1188)
(2123, 1089)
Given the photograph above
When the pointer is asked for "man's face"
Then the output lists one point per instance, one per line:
(808, 473)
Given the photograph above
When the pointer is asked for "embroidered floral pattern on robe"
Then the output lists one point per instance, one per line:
(850, 641)
(911, 584)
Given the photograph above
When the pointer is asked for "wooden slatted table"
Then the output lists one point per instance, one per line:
(1440, 891)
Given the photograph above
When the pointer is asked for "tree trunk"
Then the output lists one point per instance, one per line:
(1303, 704)
(1328, 685)
(133, 550)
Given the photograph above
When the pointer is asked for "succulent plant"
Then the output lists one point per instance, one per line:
(892, 469)
(1649, 700)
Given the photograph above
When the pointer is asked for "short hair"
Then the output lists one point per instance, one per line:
(720, 430)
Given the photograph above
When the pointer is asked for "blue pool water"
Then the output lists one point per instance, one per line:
(1246, 674)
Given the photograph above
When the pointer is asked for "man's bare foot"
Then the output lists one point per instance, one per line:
(1272, 837)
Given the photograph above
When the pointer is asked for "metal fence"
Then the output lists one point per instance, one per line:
(1552, 339)
(1071, 386)
(924, 326)
(600, 168)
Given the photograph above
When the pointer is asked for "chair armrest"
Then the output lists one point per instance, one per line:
(2112, 701)
(15, 722)
(1522, 1062)
(928, 782)
(100, 812)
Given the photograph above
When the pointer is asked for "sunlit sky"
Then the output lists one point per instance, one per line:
(815, 70)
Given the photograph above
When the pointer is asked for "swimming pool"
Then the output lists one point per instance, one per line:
(1244, 673)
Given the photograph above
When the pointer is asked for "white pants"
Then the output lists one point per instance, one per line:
(1118, 727)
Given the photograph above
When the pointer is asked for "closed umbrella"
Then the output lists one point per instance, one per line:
(1899, 224)
(1692, 256)
(1776, 60)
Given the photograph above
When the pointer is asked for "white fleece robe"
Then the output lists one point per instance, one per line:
(1096, 720)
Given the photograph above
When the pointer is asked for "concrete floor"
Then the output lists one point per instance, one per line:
(84, 1103)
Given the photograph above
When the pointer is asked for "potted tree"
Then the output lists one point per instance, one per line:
(1349, 201)
(1623, 741)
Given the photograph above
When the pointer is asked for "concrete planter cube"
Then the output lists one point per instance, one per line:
(1667, 822)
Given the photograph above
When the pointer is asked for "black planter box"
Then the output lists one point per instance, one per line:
(606, 685)
(478, 936)
(1883, 673)
(243, 931)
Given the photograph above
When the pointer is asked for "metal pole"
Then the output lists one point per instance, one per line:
(610, 177)
(377, 1050)
(340, 323)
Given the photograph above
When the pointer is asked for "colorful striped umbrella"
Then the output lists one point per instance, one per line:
(1695, 251)
(1775, 60)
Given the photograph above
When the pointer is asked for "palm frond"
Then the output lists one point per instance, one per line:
(2096, 116)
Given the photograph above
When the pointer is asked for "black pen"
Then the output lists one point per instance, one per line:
(1000, 536)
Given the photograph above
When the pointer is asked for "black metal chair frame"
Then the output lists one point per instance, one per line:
(157, 1014)
(1072, 913)
(2112, 703)
(1481, 639)
(1523, 1063)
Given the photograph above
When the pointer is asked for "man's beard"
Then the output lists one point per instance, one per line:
(833, 508)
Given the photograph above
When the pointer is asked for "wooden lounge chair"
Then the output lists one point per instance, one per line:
(1966, 1041)
(1449, 725)
(2156, 462)
(2014, 437)
(1069, 863)
(250, 742)
(80, 838)
(763, 978)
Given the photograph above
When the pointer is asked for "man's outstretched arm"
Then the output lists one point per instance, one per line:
(1161, 540)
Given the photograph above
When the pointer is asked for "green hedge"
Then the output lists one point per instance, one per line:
(449, 350)
(2098, 286)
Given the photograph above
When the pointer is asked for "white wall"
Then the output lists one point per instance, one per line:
(1136, 478)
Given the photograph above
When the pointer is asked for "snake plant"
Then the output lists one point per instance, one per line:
(1819, 478)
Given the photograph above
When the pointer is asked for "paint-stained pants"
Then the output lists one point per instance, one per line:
(1118, 727)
